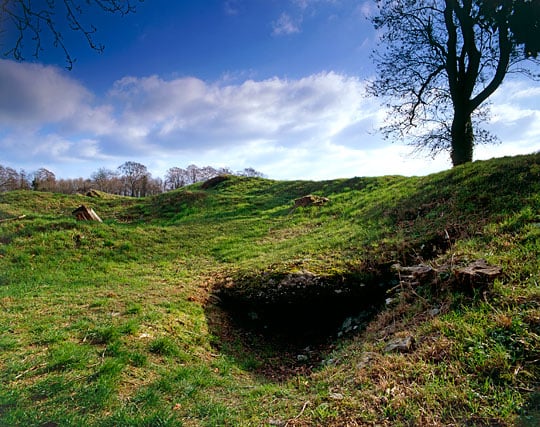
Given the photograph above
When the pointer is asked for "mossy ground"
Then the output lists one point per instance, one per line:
(115, 323)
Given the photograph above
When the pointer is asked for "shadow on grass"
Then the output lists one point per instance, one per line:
(531, 415)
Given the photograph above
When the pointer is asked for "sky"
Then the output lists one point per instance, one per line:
(276, 85)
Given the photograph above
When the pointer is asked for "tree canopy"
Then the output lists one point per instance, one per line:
(439, 61)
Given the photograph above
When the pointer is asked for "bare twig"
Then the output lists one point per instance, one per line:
(13, 219)
(300, 413)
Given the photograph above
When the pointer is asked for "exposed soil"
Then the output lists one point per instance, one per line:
(281, 325)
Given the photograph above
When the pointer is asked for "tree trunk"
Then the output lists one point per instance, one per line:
(462, 139)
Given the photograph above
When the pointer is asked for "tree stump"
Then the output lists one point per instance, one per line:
(84, 213)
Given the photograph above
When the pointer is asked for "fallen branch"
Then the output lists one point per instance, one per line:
(300, 414)
(13, 219)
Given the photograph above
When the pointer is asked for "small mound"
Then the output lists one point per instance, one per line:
(213, 182)
(94, 193)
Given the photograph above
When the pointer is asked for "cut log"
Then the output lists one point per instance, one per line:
(84, 213)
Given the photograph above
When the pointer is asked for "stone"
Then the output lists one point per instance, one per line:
(434, 312)
(400, 345)
(366, 359)
(418, 272)
(310, 200)
(478, 274)
(336, 396)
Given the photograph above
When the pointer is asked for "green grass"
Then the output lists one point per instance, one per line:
(113, 323)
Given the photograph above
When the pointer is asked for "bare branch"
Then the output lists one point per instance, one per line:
(36, 22)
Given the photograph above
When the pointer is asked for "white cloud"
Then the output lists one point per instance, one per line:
(515, 119)
(304, 4)
(367, 9)
(187, 112)
(290, 22)
(317, 127)
(285, 25)
(33, 93)
(231, 7)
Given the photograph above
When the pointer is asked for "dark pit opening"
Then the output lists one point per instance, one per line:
(307, 314)
(285, 324)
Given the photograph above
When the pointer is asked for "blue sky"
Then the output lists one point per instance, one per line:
(277, 85)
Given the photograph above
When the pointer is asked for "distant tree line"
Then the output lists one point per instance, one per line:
(129, 179)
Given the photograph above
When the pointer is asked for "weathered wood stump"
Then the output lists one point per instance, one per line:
(84, 213)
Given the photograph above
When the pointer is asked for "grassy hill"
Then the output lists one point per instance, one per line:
(224, 304)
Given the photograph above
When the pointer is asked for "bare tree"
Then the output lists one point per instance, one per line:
(175, 178)
(72, 185)
(250, 172)
(135, 177)
(106, 180)
(24, 183)
(44, 180)
(193, 174)
(9, 179)
(37, 21)
(153, 186)
(207, 172)
(440, 60)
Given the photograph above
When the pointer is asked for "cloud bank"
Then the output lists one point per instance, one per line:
(317, 127)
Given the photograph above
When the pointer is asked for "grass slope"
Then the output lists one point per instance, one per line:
(114, 323)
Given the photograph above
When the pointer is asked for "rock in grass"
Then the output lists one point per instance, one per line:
(477, 275)
(310, 200)
(400, 345)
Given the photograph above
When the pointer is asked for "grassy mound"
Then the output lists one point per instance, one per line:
(133, 321)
